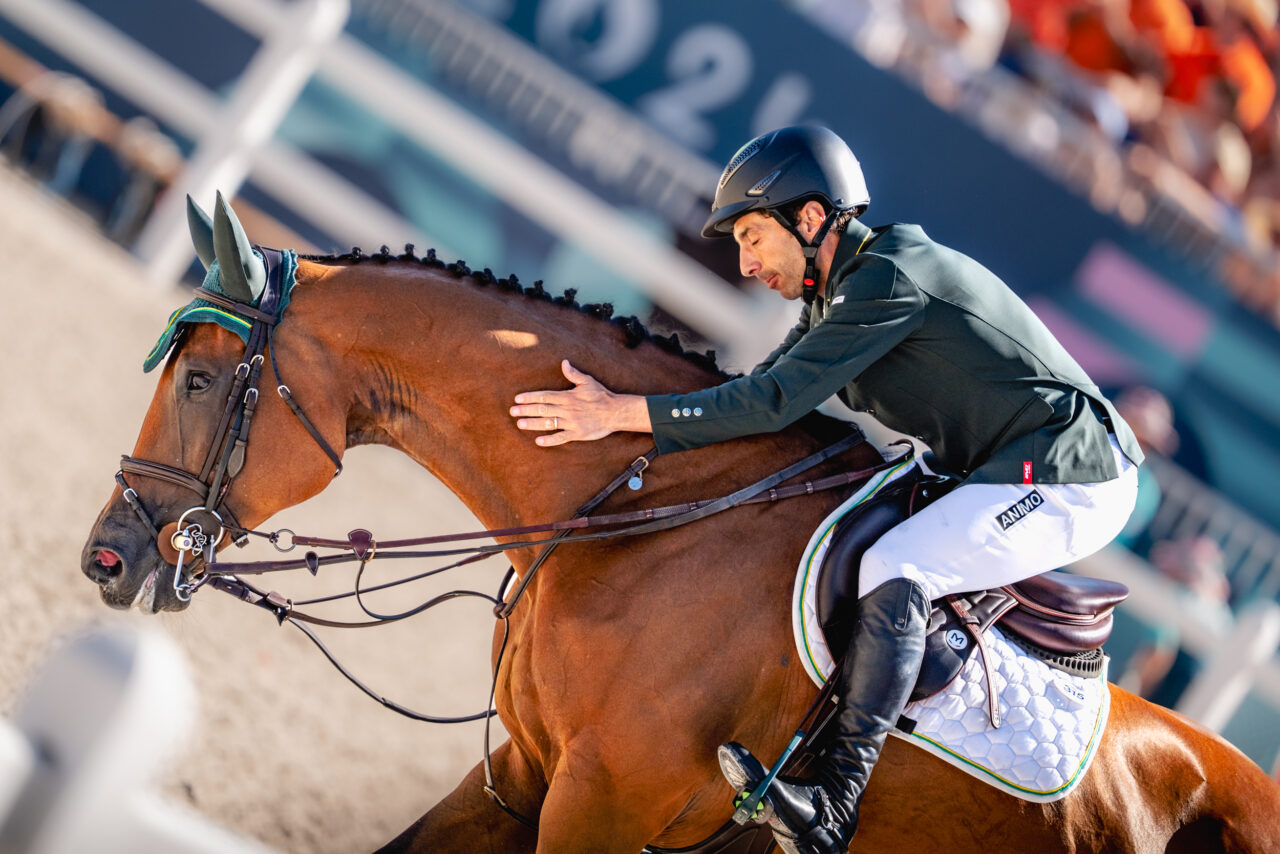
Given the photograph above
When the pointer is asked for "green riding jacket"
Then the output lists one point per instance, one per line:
(931, 344)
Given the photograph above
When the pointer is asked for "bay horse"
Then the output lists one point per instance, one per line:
(628, 661)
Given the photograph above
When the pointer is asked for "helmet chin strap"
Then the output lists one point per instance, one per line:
(810, 248)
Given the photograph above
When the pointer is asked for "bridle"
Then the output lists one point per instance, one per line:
(225, 457)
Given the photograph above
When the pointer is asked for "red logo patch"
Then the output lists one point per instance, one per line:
(1026, 471)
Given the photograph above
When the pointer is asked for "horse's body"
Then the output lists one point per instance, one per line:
(629, 661)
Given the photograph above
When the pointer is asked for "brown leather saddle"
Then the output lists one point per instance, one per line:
(1060, 618)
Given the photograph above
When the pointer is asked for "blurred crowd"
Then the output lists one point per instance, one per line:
(1190, 84)
(1192, 565)
(1192, 80)
(1172, 96)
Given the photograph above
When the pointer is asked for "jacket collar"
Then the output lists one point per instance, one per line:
(855, 239)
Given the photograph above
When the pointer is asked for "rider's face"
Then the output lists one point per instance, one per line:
(770, 253)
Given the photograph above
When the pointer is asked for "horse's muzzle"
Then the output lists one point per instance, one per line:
(128, 569)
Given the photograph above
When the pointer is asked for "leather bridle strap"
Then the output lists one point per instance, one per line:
(237, 308)
(287, 396)
(169, 474)
(225, 457)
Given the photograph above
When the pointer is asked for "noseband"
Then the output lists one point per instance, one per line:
(226, 454)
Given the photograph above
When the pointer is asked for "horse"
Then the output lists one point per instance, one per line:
(627, 661)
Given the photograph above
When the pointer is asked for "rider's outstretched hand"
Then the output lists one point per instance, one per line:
(586, 412)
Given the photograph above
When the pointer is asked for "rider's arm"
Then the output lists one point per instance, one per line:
(874, 307)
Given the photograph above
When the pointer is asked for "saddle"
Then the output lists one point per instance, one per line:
(1061, 618)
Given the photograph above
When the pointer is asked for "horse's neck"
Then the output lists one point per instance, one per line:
(431, 366)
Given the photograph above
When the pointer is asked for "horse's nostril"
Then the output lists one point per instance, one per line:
(104, 567)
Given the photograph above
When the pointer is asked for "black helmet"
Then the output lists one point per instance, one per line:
(785, 166)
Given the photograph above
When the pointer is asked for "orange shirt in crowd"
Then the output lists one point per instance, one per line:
(1191, 66)
(1245, 66)
(1240, 62)
(1091, 44)
(1167, 23)
(1045, 20)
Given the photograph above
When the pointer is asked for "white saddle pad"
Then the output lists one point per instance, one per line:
(1051, 721)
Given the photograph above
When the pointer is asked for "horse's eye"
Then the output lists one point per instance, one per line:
(197, 381)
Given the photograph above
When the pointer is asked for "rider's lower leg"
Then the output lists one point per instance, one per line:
(881, 666)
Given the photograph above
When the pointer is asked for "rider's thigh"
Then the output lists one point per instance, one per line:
(985, 535)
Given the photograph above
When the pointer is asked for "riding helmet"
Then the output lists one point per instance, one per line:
(785, 166)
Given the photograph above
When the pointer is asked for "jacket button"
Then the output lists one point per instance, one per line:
(686, 412)
(675, 413)
(697, 410)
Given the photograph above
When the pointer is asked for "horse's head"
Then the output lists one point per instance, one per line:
(193, 462)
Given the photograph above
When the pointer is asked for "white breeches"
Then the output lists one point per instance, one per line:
(985, 535)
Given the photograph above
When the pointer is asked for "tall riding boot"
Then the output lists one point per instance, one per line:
(880, 672)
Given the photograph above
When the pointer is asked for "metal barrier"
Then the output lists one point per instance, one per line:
(98, 722)
(114, 60)
(1189, 508)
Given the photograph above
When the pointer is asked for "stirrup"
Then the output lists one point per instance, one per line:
(744, 773)
(763, 809)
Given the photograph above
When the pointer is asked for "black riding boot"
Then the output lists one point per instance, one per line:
(880, 671)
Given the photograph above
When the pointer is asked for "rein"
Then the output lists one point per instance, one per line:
(360, 546)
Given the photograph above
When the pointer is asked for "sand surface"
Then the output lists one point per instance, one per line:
(284, 749)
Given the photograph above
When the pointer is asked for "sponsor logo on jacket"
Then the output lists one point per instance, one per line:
(1015, 514)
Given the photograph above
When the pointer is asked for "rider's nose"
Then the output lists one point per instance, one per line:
(748, 263)
(102, 566)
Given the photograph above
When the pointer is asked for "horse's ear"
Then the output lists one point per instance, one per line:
(201, 228)
(243, 275)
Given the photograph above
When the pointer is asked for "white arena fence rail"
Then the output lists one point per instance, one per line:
(1190, 508)
(98, 722)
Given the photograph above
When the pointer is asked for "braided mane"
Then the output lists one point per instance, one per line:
(635, 331)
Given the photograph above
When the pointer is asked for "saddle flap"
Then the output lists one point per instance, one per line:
(949, 644)
(837, 595)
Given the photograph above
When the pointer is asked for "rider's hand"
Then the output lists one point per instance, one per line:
(586, 412)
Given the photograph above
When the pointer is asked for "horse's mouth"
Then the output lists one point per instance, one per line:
(113, 575)
(145, 601)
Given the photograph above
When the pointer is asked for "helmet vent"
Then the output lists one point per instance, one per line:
(744, 154)
(765, 183)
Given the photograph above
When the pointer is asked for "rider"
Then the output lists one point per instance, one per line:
(931, 344)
